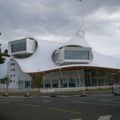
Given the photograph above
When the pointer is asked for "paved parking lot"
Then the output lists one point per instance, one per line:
(62, 107)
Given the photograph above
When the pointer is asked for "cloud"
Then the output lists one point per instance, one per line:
(60, 19)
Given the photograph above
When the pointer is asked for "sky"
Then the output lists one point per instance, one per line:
(59, 20)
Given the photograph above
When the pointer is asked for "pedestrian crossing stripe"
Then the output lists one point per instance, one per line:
(77, 119)
(105, 117)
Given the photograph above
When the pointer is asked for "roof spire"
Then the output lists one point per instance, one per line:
(80, 34)
(79, 37)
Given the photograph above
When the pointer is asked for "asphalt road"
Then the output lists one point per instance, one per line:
(92, 107)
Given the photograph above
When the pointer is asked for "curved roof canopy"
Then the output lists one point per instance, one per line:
(41, 60)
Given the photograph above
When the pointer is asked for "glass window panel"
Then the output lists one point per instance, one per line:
(17, 47)
(76, 54)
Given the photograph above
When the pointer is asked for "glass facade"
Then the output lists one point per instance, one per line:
(47, 84)
(77, 54)
(70, 79)
(54, 83)
(98, 78)
(24, 84)
(18, 47)
(78, 78)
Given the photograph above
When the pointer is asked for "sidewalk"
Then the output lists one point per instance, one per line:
(22, 92)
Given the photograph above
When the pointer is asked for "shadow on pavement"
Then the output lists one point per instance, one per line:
(5, 117)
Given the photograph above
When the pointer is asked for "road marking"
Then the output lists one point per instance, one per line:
(104, 104)
(63, 110)
(105, 117)
(51, 108)
(30, 105)
(77, 119)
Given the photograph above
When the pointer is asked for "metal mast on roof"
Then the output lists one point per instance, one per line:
(80, 34)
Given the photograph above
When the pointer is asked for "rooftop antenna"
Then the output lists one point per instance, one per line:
(80, 34)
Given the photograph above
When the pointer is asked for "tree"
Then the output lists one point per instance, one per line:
(37, 80)
(2, 59)
(6, 80)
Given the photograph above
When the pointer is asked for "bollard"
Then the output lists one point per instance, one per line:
(83, 93)
(27, 93)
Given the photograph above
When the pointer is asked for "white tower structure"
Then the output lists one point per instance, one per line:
(80, 34)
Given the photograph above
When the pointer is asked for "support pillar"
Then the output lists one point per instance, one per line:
(62, 76)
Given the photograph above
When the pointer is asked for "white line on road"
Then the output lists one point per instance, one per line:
(104, 104)
(105, 117)
(77, 119)
(63, 110)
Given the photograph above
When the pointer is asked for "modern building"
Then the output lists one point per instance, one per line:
(20, 49)
(60, 65)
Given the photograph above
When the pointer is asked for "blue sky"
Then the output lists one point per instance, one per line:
(58, 20)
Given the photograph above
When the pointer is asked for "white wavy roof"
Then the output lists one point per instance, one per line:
(41, 60)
